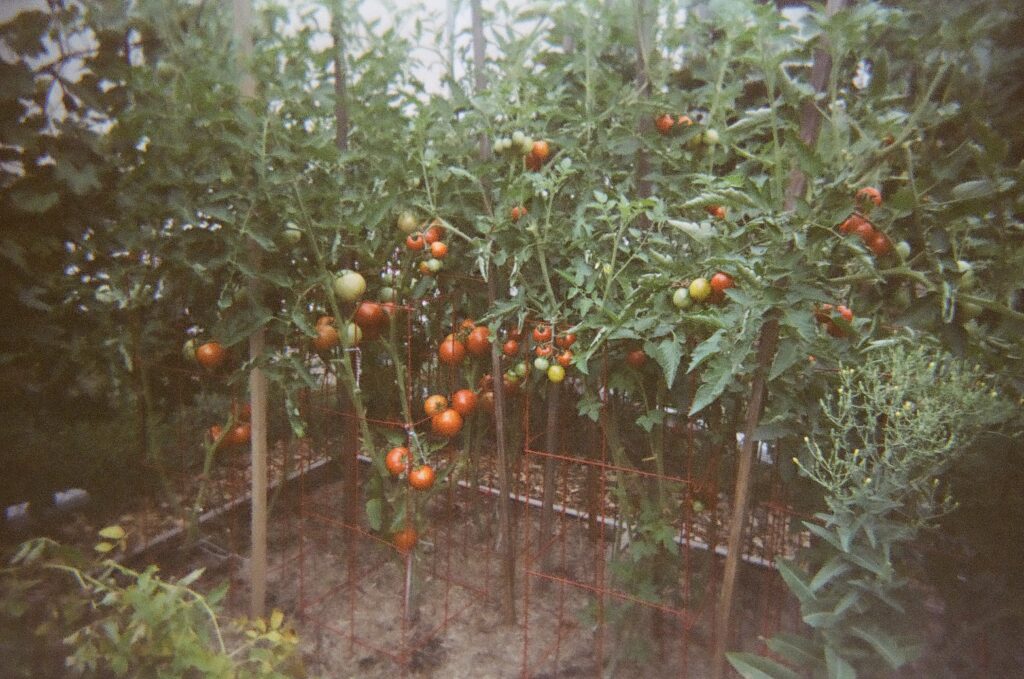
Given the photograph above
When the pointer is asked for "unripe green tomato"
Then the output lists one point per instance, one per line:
(711, 137)
(388, 278)
(387, 294)
(291, 234)
(511, 376)
(407, 222)
(526, 146)
(434, 265)
(188, 351)
(349, 286)
(518, 138)
(698, 506)
(541, 363)
(607, 268)
(700, 289)
(902, 249)
(556, 373)
(681, 298)
(522, 369)
(351, 335)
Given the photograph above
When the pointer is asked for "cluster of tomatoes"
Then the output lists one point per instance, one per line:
(535, 153)
(703, 290)
(665, 123)
(426, 240)
(211, 356)
(826, 315)
(552, 354)
(857, 223)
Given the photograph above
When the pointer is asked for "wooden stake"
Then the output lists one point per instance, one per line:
(810, 125)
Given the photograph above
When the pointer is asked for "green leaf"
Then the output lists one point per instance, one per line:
(752, 666)
(801, 651)
(113, 533)
(668, 354)
(793, 580)
(835, 566)
(788, 354)
(883, 643)
(36, 203)
(823, 533)
(836, 667)
(706, 349)
(375, 513)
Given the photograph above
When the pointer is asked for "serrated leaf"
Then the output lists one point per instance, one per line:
(706, 349)
(113, 533)
(668, 354)
(787, 356)
(752, 666)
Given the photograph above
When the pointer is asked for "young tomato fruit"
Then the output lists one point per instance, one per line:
(540, 150)
(435, 405)
(406, 222)
(447, 423)
(542, 364)
(565, 341)
(518, 212)
(565, 358)
(556, 373)
(542, 350)
(845, 313)
(684, 121)
(664, 123)
(349, 286)
(210, 355)
(681, 298)
(422, 478)
(464, 401)
(542, 333)
(716, 211)
(721, 282)
(434, 233)
(369, 315)
(438, 249)
(700, 289)
(880, 244)
(414, 241)
(239, 434)
(511, 348)
(326, 338)
(397, 460)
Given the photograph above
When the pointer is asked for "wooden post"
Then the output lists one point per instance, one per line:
(242, 11)
(810, 124)
(505, 538)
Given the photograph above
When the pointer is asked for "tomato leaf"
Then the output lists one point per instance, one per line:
(668, 353)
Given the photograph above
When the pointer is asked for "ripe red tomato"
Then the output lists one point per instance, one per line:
(467, 324)
(518, 212)
(242, 412)
(511, 348)
(721, 282)
(464, 401)
(326, 338)
(540, 151)
(422, 478)
(447, 423)
(636, 358)
(215, 431)
(438, 249)
(239, 434)
(397, 460)
(479, 343)
(684, 121)
(452, 351)
(405, 539)
(565, 358)
(542, 333)
(880, 244)
(414, 241)
(486, 382)
(369, 315)
(870, 194)
(210, 355)
(864, 231)
(542, 350)
(716, 211)
(845, 313)
(565, 341)
(434, 233)
(664, 123)
(435, 405)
